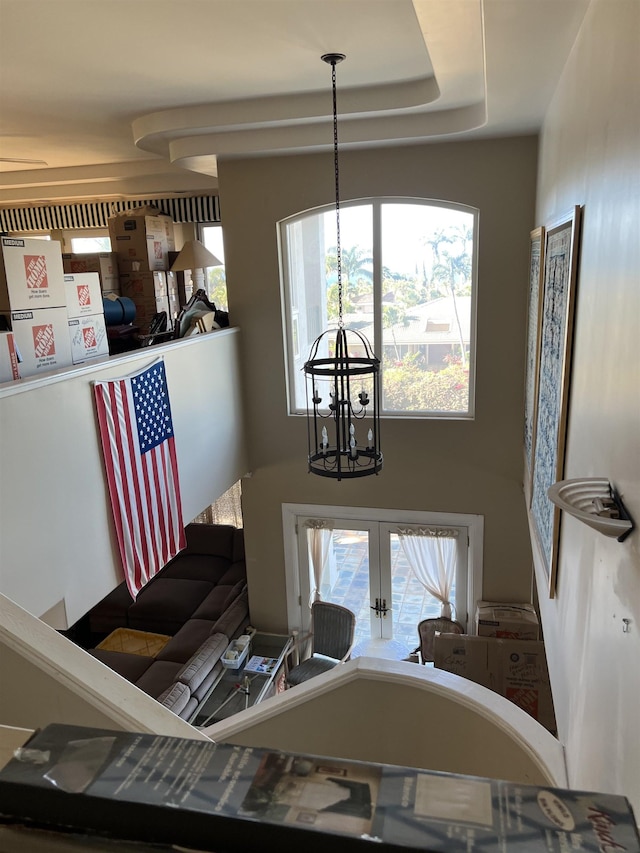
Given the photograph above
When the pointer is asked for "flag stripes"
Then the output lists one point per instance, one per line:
(136, 431)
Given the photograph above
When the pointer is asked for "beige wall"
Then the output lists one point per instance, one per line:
(590, 155)
(468, 467)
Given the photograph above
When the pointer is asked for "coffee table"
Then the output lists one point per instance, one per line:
(239, 689)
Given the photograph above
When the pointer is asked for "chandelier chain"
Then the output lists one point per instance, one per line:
(337, 177)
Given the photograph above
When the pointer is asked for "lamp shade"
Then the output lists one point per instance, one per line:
(194, 256)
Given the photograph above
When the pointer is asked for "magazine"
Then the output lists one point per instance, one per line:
(257, 663)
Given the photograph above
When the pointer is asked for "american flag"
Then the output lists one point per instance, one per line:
(136, 430)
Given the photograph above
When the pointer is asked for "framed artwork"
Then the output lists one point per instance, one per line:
(554, 368)
(536, 281)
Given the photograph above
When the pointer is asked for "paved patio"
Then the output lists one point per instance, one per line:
(411, 602)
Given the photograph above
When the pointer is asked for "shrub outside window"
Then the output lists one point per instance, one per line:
(408, 284)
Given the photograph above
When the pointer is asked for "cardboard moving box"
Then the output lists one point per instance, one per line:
(31, 275)
(103, 263)
(516, 669)
(144, 237)
(510, 621)
(9, 366)
(84, 296)
(88, 337)
(42, 338)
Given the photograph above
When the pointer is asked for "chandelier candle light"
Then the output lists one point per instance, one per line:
(343, 425)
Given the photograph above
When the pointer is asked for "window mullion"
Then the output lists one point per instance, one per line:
(377, 282)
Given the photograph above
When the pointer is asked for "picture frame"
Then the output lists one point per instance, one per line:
(534, 317)
(561, 245)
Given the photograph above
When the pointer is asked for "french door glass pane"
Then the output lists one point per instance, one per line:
(411, 601)
(346, 577)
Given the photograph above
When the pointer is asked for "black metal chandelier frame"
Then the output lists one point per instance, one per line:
(334, 446)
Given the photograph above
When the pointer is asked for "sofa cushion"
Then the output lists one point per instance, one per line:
(234, 592)
(216, 539)
(160, 676)
(128, 666)
(212, 606)
(196, 669)
(235, 572)
(164, 605)
(234, 617)
(196, 567)
(175, 698)
(189, 638)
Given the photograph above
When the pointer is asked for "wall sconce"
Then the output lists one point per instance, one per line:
(595, 502)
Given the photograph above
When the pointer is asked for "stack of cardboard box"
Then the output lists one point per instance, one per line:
(33, 303)
(85, 313)
(142, 239)
(105, 264)
(55, 320)
(506, 656)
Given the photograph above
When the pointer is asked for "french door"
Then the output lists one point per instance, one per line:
(365, 569)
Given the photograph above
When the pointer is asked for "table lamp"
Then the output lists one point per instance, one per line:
(194, 256)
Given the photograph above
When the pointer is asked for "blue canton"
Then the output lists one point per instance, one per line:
(151, 402)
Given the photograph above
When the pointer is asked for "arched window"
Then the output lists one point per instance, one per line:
(409, 284)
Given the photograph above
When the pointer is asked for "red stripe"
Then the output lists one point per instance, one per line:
(178, 520)
(162, 491)
(111, 480)
(137, 560)
(160, 521)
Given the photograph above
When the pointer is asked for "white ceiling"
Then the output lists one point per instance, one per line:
(122, 96)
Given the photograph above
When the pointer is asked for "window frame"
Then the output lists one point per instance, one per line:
(288, 308)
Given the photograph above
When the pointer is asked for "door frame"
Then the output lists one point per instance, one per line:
(298, 616)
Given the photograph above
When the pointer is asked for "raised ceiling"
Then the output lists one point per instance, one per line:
(100, 98)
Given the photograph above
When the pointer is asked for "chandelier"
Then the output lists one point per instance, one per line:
(342, 377)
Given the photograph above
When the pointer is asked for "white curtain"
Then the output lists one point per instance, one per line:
(319, 536)
(431, 553)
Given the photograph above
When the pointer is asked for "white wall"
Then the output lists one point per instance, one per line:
(58, 553)
(590, 155)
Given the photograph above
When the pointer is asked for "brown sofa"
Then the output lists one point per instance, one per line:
(200, 599)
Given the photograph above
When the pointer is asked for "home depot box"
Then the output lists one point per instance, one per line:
(84, 296)
(143, 238)
(516, 669)
(148, 292)
(9, 366)
(42, 338)
(514, 621)
(88, 337)
(200, 795)
(31, 275)
(103, 263)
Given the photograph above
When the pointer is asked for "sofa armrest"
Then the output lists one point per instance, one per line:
(175, 698)
(198, 667)
(234, 617)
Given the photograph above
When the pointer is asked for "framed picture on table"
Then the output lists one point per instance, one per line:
(558, 297)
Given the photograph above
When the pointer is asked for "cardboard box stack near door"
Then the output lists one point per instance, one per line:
(506, 656)
(34, 306)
